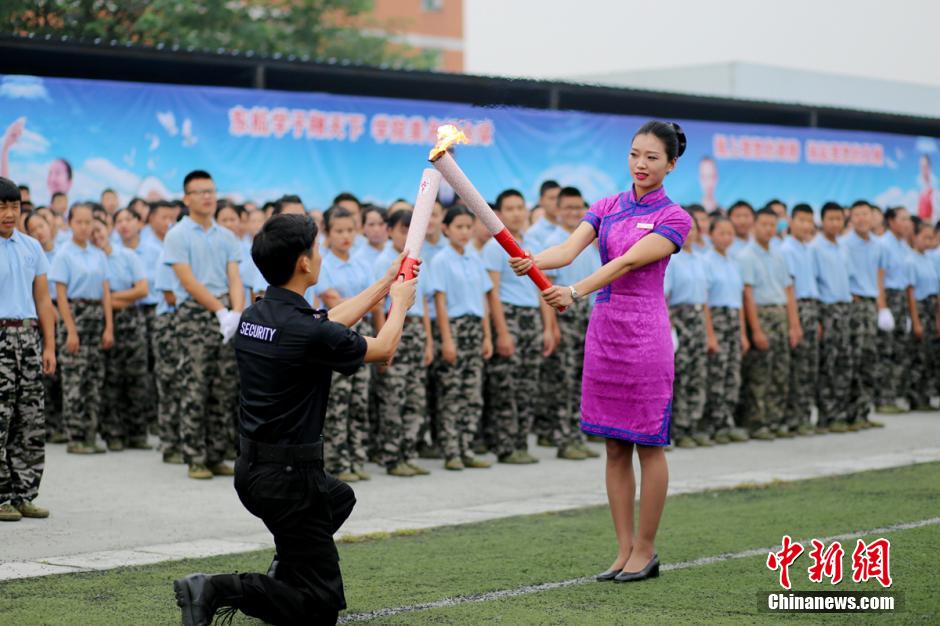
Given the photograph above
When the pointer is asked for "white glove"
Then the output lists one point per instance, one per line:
(885, 320)
(675, 341)
(228, 323)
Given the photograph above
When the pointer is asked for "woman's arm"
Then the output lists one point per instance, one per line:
(123, 299)
(557, 256)
(107, 337)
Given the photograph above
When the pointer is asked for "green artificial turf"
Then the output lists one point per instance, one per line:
(519, 551)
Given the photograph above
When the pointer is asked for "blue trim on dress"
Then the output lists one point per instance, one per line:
(659, 439)
(671, 234)
(593, 220)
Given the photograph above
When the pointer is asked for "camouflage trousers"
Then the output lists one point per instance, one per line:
(837, 365)
(804, 366)
(82, 373)
(924, 366)
(148, 386)
(573, 324)
(431, 425)
(723, 372)
(767, 373)
(688, 387)
(893, 346)
(168, 375)
(401, 392)
(125, 402)
(346, 429)
(22, 427)
(208, 385)
(460, 388)
(52, 386)
(514, 383)
(863, 327)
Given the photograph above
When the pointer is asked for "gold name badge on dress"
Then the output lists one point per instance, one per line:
(645, 226)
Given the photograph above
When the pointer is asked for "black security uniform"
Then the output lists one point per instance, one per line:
(286, 354)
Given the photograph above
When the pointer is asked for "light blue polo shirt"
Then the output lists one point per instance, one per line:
(381, 264)
(585, 264)
(50, 255)
(207, 252)
(429, 250)
(926, 279)
(685, 281)
(252, 280)
(934, 255)
(165, 279)
(865, 258)
(82, 270)
(462, 279)
(723, 279)
(22, 259)
(541, 231)
(766, 272)
(800, 261)
(348, 278)
(515, 290)
(124, 269)
(367, 254)
(737, 246)
(898, 273)
(831, 269)
(148, 253)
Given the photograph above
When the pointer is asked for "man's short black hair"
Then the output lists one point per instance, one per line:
(24, 188)
(741, 204)
(569, 192)
(694, 209)
(766, 211)
(831, 206)
(803, 208)
(279, 244)
(548, 185)
(286, 199)
(58, 194)
(195, 175)
(345, 195)
(9, 192)
(507, 193)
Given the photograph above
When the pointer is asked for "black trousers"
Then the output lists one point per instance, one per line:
(303, 507)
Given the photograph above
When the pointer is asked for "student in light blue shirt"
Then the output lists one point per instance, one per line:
(401, 387)
(375, 231)
(523, 325)
(725, 293)
(702, 243)
(804, 358)
(125, 405)
(836, 364)
(205, 258)
(80, 271)
(434, 240)
(460, 284)
(924, 340)
(685, 288)
(343, 276)
(549, 225)
(741, 214)
(25, 311)
(772, 317)
(893, 343)
(562, 370)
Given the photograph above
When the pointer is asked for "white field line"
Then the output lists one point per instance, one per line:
(529, 589)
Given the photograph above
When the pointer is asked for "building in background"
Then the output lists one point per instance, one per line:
(431, 25)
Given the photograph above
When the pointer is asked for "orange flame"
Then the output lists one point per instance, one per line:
(447, 135)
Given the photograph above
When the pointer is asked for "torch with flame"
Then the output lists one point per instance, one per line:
(447, 136)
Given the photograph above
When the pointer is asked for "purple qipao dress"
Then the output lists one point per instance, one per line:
(628, 353)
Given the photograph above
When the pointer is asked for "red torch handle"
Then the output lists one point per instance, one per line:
(509, 244)
(407, 268)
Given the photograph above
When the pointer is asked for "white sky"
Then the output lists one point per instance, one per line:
(885, 39)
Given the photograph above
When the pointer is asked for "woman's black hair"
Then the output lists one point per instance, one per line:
(371, 208)
(80, 205)
(334, 213)
(401, 216)
(456, 211)
(667, 132)
(221, 205)
(31, 215)
(132, 212)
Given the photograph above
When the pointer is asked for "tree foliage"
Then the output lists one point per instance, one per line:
(318, 29)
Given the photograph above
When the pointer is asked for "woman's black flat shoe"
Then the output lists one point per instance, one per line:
(650, 571)
(607, 575)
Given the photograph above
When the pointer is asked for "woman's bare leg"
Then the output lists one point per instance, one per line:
(621, 494)
(654, 482)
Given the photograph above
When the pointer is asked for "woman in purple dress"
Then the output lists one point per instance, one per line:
(628, 356)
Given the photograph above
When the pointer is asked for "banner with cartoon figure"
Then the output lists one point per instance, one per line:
(81, 136)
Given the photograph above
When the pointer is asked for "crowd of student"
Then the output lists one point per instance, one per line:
(770, 319)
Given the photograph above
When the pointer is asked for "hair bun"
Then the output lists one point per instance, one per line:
(680, 137)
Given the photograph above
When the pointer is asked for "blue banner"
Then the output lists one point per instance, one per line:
(141, 139)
